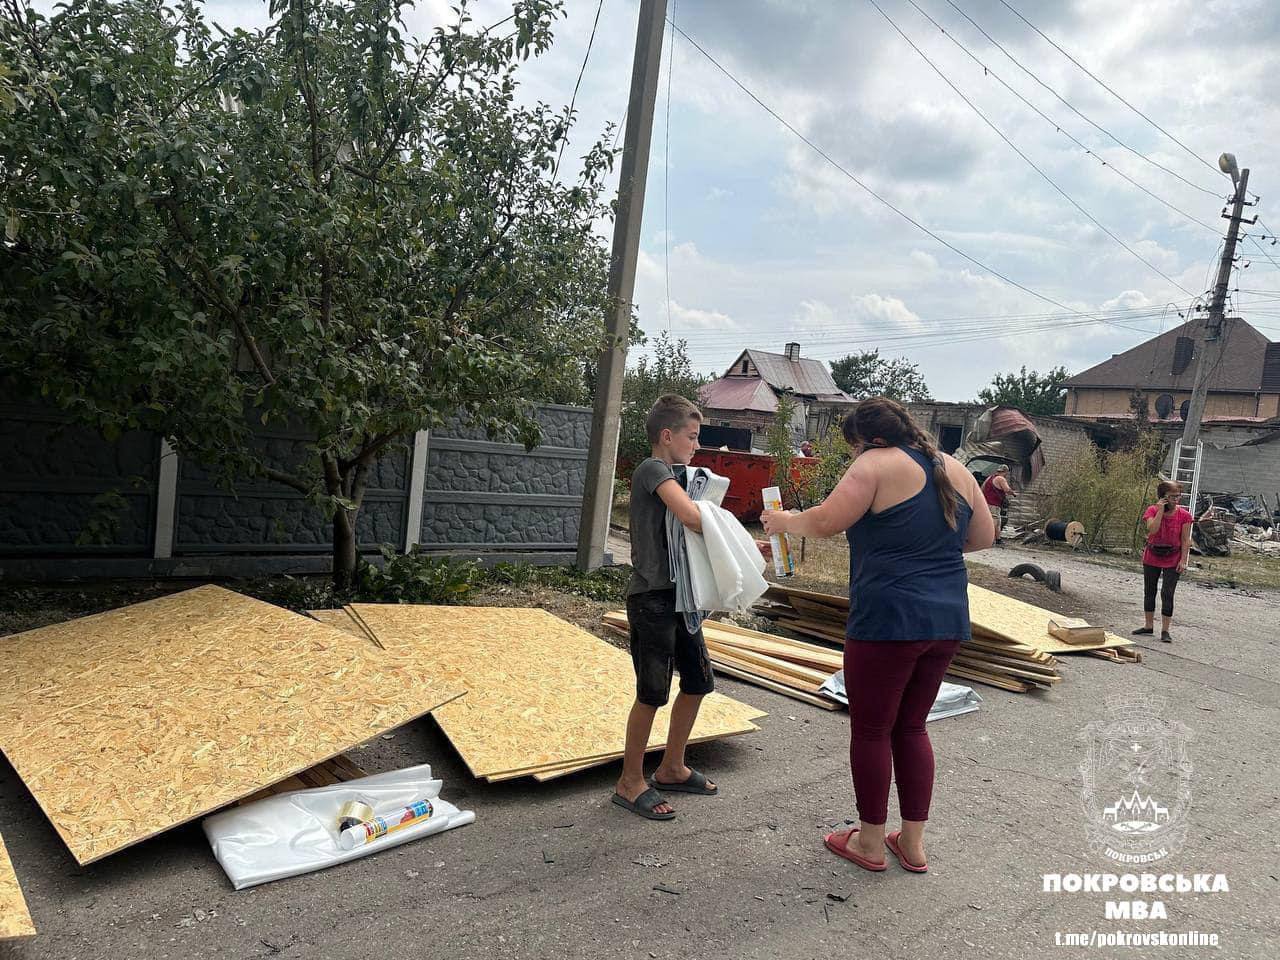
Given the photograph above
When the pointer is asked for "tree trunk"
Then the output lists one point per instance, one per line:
(344, 548)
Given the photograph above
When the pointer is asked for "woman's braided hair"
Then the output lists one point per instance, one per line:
(888, 420)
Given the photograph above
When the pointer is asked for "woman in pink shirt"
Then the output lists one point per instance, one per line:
(1168, 545)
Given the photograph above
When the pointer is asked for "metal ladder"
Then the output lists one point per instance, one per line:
(1186, 470)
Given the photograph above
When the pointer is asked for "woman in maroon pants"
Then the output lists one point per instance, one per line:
(910, 513)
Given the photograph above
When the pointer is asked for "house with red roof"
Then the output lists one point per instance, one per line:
(746, 396)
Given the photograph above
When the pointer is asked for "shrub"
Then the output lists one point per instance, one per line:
(414, 578)
(1106, 492)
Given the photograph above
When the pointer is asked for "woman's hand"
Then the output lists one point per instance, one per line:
(1182, 566)
(765, 548)
(776, 521)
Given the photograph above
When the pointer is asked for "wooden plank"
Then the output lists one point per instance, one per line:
(747, 677)
(128, 723)
(1017, 686)
(780, 591)
(801, 674)
(540, 691)
(1030, 676)
(337, 769)
(808, 655)
(720, 656)
(15, 919)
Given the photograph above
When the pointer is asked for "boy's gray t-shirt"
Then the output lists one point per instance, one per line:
(650, 566)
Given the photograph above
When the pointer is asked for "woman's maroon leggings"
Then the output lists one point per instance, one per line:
(891, 687)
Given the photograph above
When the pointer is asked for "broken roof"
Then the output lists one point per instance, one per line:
(1168, 362)
(804, 376)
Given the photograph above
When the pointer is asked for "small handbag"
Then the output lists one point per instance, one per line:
(1163, 549)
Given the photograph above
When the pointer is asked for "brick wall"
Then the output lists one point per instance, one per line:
(1062, 444)
(1099, 402)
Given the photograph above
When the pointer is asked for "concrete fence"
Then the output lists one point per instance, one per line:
(73, 504)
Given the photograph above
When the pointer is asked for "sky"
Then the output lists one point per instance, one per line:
(751, 238)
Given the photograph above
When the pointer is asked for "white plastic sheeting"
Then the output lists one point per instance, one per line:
(725, 565)
(953, 698)
(297, 832)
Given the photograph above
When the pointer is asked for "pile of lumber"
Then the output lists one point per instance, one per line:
(820, 615)
(544, 698)
(1012, 647)
(991, 658)
(791, 667)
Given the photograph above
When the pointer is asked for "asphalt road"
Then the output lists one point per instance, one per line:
(555, 870)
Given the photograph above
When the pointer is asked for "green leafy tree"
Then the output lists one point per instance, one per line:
(1030, 392)
(668, 370)
(829, 460)
(867, 374)
(325, 223)
(780, 443)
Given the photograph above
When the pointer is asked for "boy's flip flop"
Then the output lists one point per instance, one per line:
(642, 806)
(836, 844)
(891, 841)
(694, 783)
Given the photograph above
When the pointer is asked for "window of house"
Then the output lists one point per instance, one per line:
(1164, 406)
(745, 364)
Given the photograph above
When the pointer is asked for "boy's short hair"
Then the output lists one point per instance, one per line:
(669, 413)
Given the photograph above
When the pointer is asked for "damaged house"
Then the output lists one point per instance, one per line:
(746, 397)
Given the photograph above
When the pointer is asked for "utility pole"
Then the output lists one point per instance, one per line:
(1212, 349)
(597, 497)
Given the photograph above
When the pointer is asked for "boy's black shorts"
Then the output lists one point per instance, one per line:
(659, 641)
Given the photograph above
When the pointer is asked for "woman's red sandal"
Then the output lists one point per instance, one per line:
(836, 843)
(891, 841)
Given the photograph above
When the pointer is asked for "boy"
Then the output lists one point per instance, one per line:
(659, 639)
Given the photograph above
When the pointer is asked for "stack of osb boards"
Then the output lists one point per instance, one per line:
(544, 697)
(996, 615)
(792, 668)
(128, 723)
(15, 920)
(989, 658)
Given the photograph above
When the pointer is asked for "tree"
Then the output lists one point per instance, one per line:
(323, 223)
(780, 443)
(867, 374)
(1029, 392)
(667, 371)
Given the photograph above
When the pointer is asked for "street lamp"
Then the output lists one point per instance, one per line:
(1227, 164)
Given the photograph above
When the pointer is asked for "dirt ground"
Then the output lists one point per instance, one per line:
(555, 870)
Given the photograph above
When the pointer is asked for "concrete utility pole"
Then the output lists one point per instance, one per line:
(1212, 348)
(597, 498)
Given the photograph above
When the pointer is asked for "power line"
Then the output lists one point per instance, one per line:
(1109, 90)
(986, 70)
(574, 99)
(1072, 107)
(827, 157)
(666, 170)
(1031, 163)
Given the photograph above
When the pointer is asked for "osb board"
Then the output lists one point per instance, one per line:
(1023, 622)
(540, 692)
(339, 620)
(128, 723)
(15, 920)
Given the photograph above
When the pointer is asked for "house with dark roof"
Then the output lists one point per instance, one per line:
(747, 395)
(1244, 384)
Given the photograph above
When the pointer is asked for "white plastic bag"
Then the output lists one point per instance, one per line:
(953, 699)
(297, 832)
